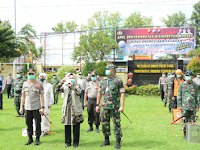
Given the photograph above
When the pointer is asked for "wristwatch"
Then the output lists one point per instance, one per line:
(43, 107)
(97, 104)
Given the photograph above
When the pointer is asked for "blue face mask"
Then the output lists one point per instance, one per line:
(18, 75)
(188, 78)
(9, 76)
(89, 75)
(54, 77)
(178, 75)
(108, 72)
(163, 75)
(93, 78)
(80, 76)
(198, 76)
(31, 77)
(72, 80)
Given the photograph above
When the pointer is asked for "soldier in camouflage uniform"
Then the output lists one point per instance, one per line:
(169, 90)
(188, 99)
(165, 88)
(55, 81)
(17, 92)
(110, 88)
(161, 85)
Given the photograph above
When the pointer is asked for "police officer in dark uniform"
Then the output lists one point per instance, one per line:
(91, 92)
(31, 93)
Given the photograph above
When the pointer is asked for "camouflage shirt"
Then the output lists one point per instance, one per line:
(111, 89)
(17, 86)
(188, 96)
(162, 81)
(54, 82)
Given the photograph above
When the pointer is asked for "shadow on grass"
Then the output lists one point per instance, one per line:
(143, 144)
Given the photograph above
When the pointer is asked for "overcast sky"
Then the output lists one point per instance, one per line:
(45, 14)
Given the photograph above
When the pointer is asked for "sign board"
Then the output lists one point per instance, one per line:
(156, 40)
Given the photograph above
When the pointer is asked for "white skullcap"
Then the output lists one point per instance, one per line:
(43, 74)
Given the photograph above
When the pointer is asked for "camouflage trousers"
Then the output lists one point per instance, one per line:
(55, 97)
(17, 102)
(171, 103)
(165, 99)
(106, 114)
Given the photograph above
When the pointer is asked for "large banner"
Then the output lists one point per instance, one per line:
(156, 40)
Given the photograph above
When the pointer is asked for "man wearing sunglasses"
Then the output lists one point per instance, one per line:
(31, 92)
(188, 98)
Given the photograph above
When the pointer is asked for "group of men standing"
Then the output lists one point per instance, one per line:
(181, 94)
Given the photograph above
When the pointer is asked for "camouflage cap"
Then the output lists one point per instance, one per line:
(9, 74)
(169, 73)
(19, 72)
(80, 73)
(163, 73)
(189, 73)
(31, 70)
(198, 73)
(54, 74)
(110, 66)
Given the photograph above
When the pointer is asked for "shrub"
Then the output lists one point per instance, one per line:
(148, 90)
(194, 65)
(130, 90)
(87, 67)
(61, 71)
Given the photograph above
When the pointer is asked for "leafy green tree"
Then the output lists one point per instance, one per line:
(135, 20)
(100, 67)
(94, 46)
(66, 27)
(88, 66)
(175, 20)
(49, 77)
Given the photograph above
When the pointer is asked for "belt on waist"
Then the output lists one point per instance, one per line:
(94, 99)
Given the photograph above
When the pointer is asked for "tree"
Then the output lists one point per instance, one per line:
(67, 27)
(7, 45)
(61, 71)
(94, 46)
(175, 20)
(136, 20)
(195, 18)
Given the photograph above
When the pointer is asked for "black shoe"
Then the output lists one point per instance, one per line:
(90, 129)
(118, 145)
(37, 141)
(75, 145)
(67, 145)
(106, 142)
(169, 110)
(165, 104)
(97, 130)
(29, 141)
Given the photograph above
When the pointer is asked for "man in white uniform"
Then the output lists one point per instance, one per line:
(48, 102)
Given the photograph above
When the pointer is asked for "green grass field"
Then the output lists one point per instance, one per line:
(150, 129)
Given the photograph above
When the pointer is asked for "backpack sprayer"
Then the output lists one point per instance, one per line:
(192, 129)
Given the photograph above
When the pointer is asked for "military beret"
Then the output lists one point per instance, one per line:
(189, 73)
(110, 66)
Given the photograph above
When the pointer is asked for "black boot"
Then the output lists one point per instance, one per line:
(90, 129)
(184, 135)
(30, 140)
(169, 110)
(118, 145)
(97, 129)
(106, 142)
(37, 141)
(165, 104)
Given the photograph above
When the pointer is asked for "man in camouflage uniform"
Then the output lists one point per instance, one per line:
(161, 85)
(91, 92)
(169, 90)
(55, 81)
(165, 88)
(17, 92)
(110, 88)
(188, 99)
(8, 85)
